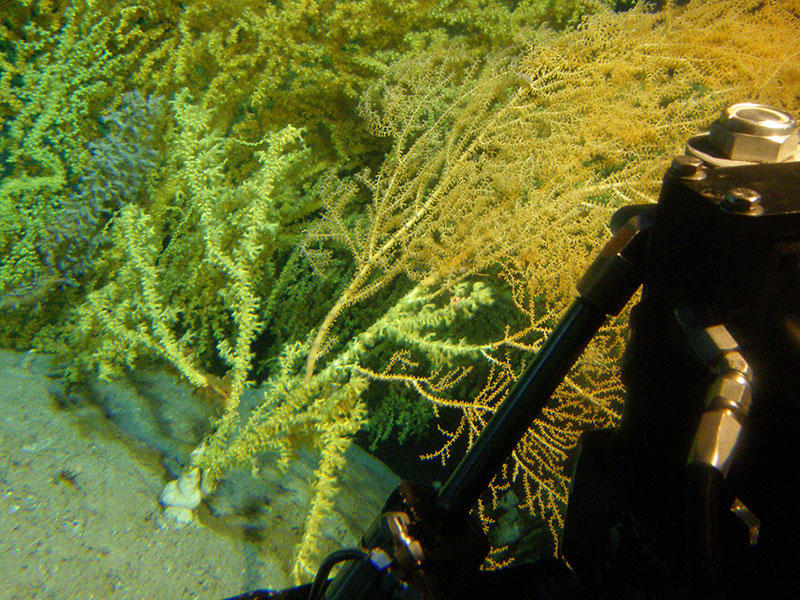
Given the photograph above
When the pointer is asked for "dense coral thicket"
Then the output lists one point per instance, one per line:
(266, 233)
(256, 65)
(508, 174)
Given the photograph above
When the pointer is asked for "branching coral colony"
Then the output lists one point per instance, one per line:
(500, 180)
(514, 164)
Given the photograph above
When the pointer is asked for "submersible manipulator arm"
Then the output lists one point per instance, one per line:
(604, 290)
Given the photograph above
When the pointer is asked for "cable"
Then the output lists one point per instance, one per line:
(325, 568)
(703, 562)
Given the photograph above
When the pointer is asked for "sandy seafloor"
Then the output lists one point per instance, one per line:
(79, 511)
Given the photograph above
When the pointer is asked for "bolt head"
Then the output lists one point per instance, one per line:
(687, 167)
(741, 199)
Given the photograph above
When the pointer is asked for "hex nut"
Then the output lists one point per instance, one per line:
(716, 439)
(730, 391)
(755, 133)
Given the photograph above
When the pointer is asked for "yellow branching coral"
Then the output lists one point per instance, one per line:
(62, 70)
(325, 411)
(604, 109)
(308, 62)
(438, 174)
(519, 165)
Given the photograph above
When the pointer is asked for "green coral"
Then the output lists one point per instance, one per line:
(52, 78)
(186, 273)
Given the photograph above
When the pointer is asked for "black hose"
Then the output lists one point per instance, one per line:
(330, 561)
(703, 566)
